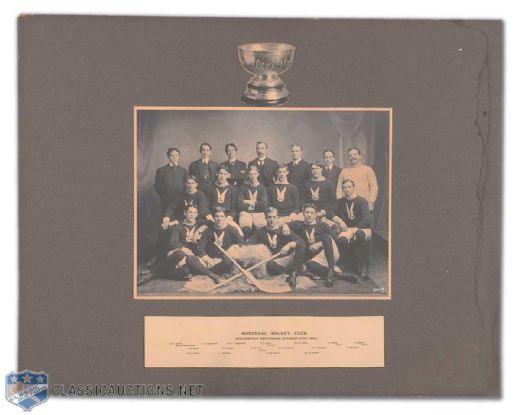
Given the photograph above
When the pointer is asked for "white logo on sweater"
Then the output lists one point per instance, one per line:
(280, 193)
(273, 240)
(190, 235)
(310, 236)
(219, 240)
(350, 211)
(315, 194)
(221, 197)
(252, 195)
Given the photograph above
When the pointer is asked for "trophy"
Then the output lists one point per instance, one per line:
(266, 61)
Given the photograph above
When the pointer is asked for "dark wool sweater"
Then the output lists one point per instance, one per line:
(275, 240)
(245, 193)
(310, 233)
(198, 199)
(224, 237)
(225, 197)
(182, 236)
(284, 197)
(322, 194)
(353, 212)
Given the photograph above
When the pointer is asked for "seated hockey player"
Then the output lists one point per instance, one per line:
(182, 243)
(191, 196)
(209, 260)
(224, 195)
(279, 238)
(352, 215)
(251, 202)
(319, 191)
(284, 196)
(321, 252)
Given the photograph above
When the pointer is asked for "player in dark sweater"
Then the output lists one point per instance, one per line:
(209, 260)
(190, 197)
(175, 213)
(283, 195)
(319, 191)
(279, 238)
(251, 203)
(237, 169)
(321, 252)
(299, 169)
(182, 243)
(224, 195)
(352, 215)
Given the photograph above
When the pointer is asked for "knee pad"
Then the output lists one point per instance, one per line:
(360, 235)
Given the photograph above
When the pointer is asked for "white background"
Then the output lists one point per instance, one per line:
(474, 9)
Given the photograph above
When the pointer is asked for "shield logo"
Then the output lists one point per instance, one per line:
(27, 388)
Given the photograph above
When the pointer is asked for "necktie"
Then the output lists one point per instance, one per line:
(206, 174)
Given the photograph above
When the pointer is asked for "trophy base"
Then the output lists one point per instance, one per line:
(267, 90)
(264, 102)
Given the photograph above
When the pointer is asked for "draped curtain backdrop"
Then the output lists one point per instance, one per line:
(315, 130)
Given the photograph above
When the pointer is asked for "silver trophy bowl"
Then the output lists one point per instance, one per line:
(266, 61)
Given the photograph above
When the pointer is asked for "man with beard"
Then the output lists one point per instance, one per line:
(279, 238)
(182, 244)
(321, 252)
(204, 169)
(362, 175)
(266, 166)
(284, 196)
(251, 203)
(209, 260)
(353, 218)
(330, 170)
(170, 179)
(319, 191)
(299, 169)
(237, 169)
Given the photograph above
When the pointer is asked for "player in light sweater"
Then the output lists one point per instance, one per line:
(362, 175)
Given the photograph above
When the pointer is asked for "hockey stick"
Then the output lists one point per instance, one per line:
(261, 285)
(234, 277)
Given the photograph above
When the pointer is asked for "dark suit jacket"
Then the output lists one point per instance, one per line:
(237, 171)
(267, 170)
(299, 174)
(332, 175)
(205, 181)
(169, 183)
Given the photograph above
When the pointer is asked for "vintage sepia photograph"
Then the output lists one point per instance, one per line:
(256, 203)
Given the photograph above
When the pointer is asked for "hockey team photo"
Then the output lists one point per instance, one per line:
(253, 203)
